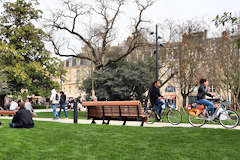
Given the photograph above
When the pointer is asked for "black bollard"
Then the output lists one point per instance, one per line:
(75, 113)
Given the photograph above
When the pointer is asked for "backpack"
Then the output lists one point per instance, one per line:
(57, 97)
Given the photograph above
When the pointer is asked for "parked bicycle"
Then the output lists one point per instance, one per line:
(173, 115)
(227, 118)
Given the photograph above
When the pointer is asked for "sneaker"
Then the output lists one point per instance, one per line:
(210, 118)
(66, 118)
(158, 120)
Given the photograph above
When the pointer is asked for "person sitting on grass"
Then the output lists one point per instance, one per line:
(28, 106)
(22, 118)
(13, 105)
(1, 124)
(80, 106)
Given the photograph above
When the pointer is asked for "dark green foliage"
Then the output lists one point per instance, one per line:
(121, 81)
(38, 106)
(24, 61)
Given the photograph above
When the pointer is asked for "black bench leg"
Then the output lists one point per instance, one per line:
(108, 121)
(93, 121)
(142, 122)
(103, 122)
(124, 123)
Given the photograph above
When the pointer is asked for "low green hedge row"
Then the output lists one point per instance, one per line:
(38, 106)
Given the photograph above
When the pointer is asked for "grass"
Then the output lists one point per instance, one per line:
(81, 115)
(56, 141)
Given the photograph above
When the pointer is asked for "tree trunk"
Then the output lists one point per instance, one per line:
(234, 102)
(184, 100)
(2, 100)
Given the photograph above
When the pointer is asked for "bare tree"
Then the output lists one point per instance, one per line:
(190, 51)
(98, 37)
(227, 64)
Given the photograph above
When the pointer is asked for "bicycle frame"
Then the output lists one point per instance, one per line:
(219, 110)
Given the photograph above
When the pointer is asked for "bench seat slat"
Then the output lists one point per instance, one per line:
(7, 112)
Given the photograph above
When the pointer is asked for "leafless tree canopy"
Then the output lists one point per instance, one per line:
(75, 20)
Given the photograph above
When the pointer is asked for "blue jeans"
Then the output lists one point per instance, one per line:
(54, 107)
(210, 105)
(158, 106)
(62, 106)
(11, 125)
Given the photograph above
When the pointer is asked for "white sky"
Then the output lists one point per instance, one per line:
(166, 9)
(174, 9)
(180, 10)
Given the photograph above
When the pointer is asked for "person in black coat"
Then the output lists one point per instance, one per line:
(62, 103)
(156, 98)
(22, 118)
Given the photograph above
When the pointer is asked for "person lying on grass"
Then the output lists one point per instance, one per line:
(22, 118)
(1, 124)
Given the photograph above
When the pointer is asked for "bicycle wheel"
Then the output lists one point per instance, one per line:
(196, 120)
(174, 117)
(229, 119)
(151, 117)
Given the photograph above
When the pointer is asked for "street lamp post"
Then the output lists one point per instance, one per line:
(92, 77)
(156, 51)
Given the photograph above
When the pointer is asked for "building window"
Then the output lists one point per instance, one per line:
(212, 88)
(74, 62)
(70, 90)
(67, 63)
(170, 89)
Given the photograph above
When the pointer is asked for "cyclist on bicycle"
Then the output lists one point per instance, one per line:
(156, 99)
(202, 92)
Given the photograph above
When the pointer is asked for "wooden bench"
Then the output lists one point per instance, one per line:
(7, 112)
(115, 110)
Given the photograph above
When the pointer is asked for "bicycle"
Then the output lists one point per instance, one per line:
(173, 116)
(227, 118)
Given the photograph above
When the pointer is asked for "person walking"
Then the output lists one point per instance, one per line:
(62, 103)
(54, 99)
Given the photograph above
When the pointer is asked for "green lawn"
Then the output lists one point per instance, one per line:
(56, 141)
(81, 115)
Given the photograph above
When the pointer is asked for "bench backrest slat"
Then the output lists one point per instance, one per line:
(121, 109)
(112, 103)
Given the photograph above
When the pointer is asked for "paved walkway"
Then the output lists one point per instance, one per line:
(129, 123)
